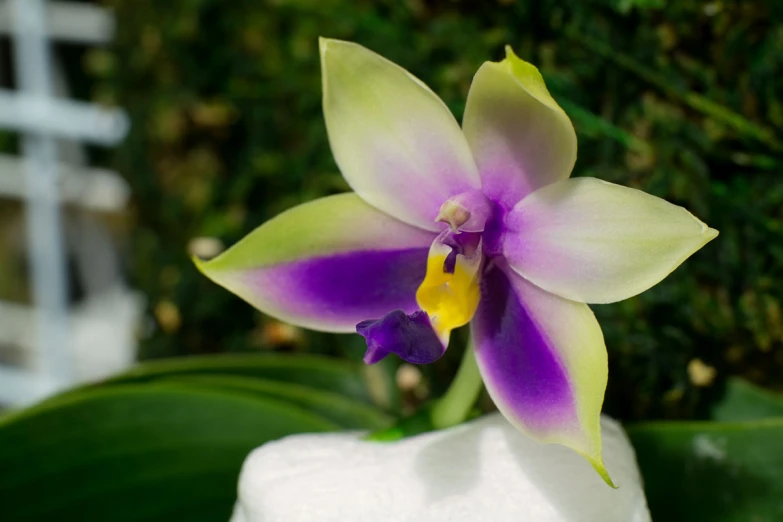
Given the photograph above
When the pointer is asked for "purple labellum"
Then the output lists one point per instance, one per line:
(411, 337)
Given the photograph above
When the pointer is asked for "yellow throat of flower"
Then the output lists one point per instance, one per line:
(449, 298)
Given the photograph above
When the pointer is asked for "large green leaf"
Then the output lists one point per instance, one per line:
(166, 440)
(324, 373)
(712, 471)
(157, 451)
(744, 401)
(345, 412)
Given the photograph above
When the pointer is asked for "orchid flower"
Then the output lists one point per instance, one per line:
(478, 225)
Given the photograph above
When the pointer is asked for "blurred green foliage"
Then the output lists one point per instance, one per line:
(680, 99)
(166, 440)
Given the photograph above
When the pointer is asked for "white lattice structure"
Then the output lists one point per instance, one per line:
(63, 345)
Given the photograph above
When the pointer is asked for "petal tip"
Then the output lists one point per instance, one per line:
(530, 79)
(707, 233)
(323, 47)
(598, 466)
(324, 42)
(327, 47)
(520, 68)
(201, 264)
(333, 44)
(207, 268)
(593, 453)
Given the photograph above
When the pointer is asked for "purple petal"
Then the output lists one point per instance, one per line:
(517, 360)
(411, 337)
(343, 288)
(326, 264)
(543, 361)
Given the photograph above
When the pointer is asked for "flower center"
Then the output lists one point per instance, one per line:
(466, 212)
(449, 294)
(450, 290)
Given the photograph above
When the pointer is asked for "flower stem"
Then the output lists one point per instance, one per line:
(454, 407)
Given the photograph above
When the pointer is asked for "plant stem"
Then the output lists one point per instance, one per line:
(454, 407)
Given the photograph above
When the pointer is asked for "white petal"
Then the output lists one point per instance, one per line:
(596, 242)
(395, 141)
(484, 470)
(520, 137)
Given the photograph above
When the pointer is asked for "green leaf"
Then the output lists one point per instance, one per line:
(157, 452)
(322, 373)
(744, 401)
(167, 439)
(710, 471)
(343, 411)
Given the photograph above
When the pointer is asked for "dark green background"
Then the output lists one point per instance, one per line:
(681, 99)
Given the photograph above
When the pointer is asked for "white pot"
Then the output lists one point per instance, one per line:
(484, 470)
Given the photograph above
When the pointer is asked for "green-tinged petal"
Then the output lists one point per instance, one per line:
(596, 242)
(395, 141)
(520, 137)
(326, 265)
(543, 361)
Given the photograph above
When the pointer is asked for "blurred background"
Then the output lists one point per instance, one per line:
(679, 99)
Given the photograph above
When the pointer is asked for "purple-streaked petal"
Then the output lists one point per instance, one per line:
(520, 137)
(326, 265)
(395, 141)
(543, 361)
(410, 336)
(596, 242)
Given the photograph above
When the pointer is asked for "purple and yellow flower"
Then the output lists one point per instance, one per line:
(478, 225)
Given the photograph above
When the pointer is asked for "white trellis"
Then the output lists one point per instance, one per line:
(65, 343)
